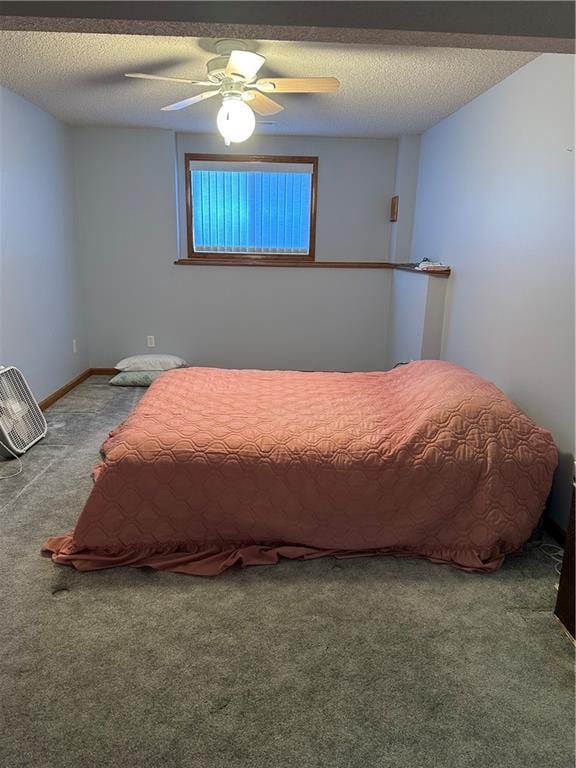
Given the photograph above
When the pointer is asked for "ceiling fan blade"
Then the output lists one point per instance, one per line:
(261, 104)
(298, 84)
(188, 102)
(244, 64)
(143, 76)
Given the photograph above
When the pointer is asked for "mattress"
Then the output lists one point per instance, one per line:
(221, 467)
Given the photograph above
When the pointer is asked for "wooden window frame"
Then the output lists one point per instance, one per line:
(198, 257)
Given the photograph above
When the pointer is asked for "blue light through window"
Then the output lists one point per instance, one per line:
(245, 211)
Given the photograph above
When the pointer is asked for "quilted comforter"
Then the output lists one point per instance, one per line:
(216, 467)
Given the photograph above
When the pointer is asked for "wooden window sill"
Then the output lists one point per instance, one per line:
(278, 262)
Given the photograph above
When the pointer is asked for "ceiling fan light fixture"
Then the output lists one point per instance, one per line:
(236, 120)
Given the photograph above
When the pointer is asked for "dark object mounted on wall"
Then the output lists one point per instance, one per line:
(394, 208)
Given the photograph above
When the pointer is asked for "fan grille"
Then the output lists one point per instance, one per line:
(21, 420)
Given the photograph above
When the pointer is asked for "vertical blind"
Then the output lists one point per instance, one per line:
(265, 210)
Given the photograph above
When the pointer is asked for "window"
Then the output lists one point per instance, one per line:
(251, 208)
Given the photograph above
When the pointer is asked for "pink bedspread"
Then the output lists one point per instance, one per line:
(216, 467)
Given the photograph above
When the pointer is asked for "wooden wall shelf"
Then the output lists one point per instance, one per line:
(238, 262)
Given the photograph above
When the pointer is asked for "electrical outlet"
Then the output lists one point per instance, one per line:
(151, 341)
(74, 346)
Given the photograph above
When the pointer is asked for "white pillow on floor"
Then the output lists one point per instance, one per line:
(150, 363)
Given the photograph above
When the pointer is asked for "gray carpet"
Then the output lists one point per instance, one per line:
(375, 662)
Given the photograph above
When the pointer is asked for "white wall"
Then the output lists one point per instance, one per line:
(355, 183)
(496, 201)
(416, 317)
(407, 166)
(40, 302)
(225, 316)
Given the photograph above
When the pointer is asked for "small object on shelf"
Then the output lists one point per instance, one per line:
(431, 266)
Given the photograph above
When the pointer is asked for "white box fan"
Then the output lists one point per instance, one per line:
(22, 423)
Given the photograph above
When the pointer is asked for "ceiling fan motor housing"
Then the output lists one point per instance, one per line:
(216, 69)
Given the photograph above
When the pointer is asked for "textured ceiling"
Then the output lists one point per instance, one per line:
(385, 91)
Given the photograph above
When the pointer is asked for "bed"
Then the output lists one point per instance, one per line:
(220, 467)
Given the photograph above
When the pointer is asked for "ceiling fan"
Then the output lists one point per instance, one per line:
(232, 75)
